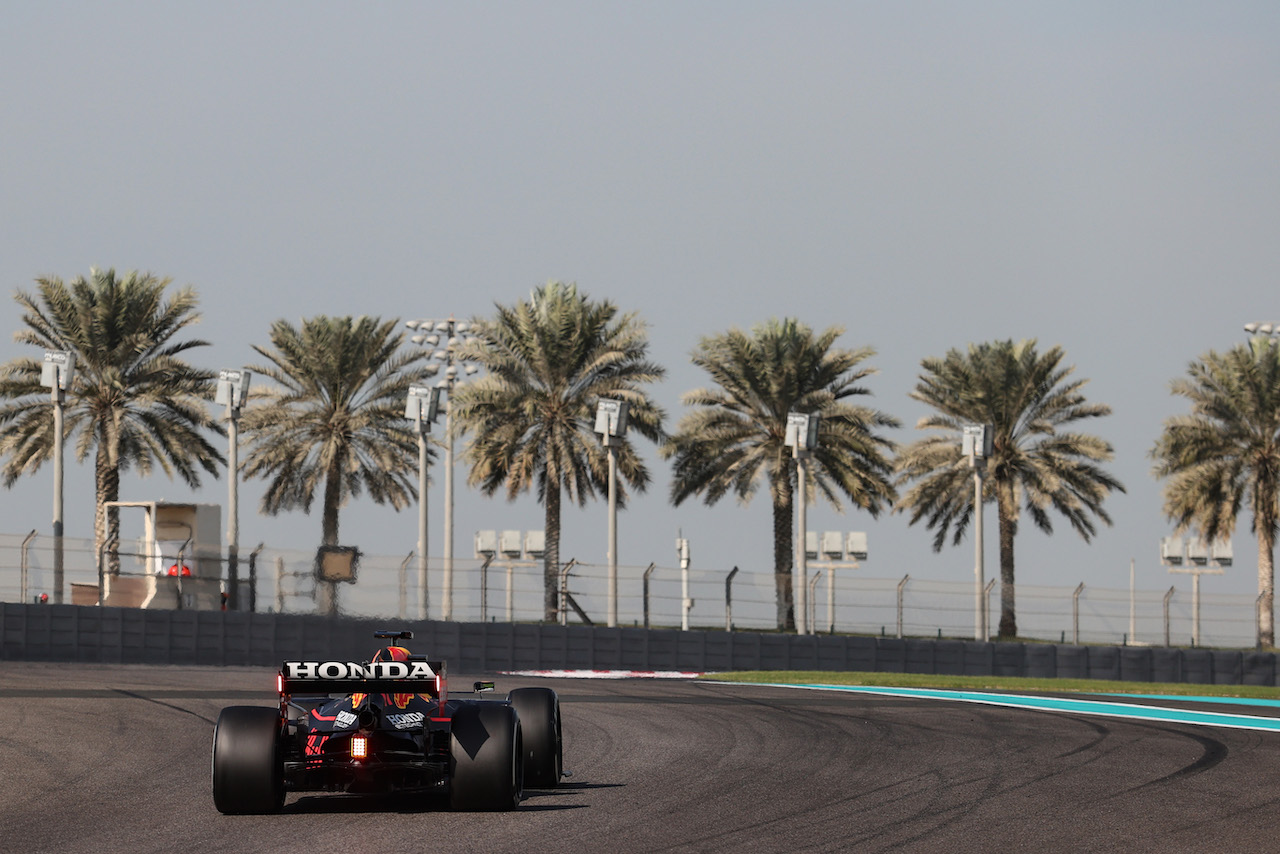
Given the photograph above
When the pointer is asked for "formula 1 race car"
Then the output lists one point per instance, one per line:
(381, 726)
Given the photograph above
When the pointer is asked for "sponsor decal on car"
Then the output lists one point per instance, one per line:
(409, 720)
(302, 670)
(315, 744)
(344, 720)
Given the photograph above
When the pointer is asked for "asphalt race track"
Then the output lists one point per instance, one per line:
(109, 759)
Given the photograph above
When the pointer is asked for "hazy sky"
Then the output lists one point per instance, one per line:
(1101, 176)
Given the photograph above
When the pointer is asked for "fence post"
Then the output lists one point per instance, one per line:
(564, 591)
(728, 601)
(253, 578)
(511, 571)
(484, 588)
(404, 593)
(647, 573)
(813, 605)
(26, 543)
(986, 610)
(1075, 614)
(1167, 597)
(280, 585)
(901, 586)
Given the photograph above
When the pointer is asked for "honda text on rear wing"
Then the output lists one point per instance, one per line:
(311, 678)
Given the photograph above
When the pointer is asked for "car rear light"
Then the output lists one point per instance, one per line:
(359, 747)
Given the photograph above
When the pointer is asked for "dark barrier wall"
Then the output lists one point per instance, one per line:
(131, 636)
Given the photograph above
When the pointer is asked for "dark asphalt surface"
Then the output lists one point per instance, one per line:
(109, 759)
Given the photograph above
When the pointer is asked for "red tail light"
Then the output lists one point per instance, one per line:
(359, 747)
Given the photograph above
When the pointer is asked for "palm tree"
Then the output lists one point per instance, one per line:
(1226, 453)
(1026, 397)
(735, 439)
(135, 403)
(335, 422)
(549, 360)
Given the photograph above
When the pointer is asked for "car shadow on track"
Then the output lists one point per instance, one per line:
(339, 803)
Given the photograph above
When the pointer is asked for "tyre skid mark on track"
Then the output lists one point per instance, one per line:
(940, 809)
(940, 814)
(1103, 732)
(1213, 754)
(132, 696)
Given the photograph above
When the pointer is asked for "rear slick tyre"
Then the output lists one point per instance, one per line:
(248, 775)
(486, 758)
(539, 711)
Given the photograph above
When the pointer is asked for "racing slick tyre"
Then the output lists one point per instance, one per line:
(539, 710)
(486, 762)
(248, 774)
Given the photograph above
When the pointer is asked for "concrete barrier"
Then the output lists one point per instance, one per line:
(133, 636)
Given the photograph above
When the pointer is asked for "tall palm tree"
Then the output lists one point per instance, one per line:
(334, 422)
(549, 360)
(1027, 398)
(135, 403)
(1226, 453)
(735, 439)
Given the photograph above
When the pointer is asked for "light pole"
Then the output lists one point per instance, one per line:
(611, 423)
(801, 437)
(455, 333)
(421, 408)
(56, 375)
(233, 390)
(682, 551)
(977, 446)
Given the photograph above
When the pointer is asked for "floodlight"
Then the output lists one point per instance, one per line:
(1198, 551)
(611, 417)
(535, 544)
(486, 543)
(59, 368)
(832, 545)
(979, 440)
(802, 430)
(233, 388)
(423, 404)
(509, 544)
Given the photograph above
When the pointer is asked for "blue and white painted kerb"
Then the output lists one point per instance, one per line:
(1132, 711)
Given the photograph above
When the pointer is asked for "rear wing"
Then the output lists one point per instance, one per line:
(416, 676)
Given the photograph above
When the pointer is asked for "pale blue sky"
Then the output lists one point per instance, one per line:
(1096, 175)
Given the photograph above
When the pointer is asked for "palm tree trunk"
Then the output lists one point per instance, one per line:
(106, 524)
(551, 559)
(1008, 513)
(327, 591)
(1266, 585)
(783, 556)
